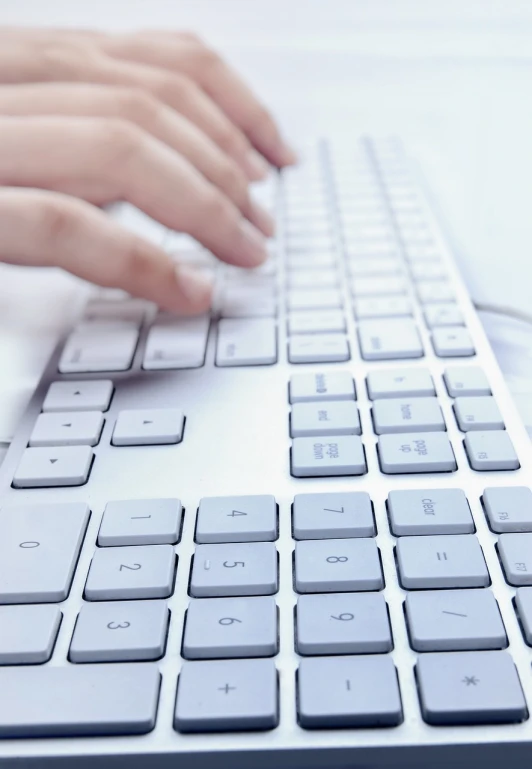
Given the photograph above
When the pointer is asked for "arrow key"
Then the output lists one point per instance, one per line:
(53, 466)
(148, 428)
(81, 428)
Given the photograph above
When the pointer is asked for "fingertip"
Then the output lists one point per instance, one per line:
(255, 167)
(195, 289)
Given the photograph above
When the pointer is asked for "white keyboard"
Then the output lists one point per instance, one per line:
(298, 532)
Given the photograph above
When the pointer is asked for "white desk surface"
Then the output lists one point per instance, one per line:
(452, 79)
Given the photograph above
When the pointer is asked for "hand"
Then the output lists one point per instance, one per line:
(156, 119)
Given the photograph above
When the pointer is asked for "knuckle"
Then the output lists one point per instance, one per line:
(138, 106)
(216, 208)
(118, 143)
(230, 140)
(57, 222)
(260, 117)
(191, 37)
(232, 180)
(175, 87)
(206, 59)
(64, 59)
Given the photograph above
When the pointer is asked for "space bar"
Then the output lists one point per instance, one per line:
(246, 342)
(72, 701)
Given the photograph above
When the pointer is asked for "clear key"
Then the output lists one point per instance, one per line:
(429, 511)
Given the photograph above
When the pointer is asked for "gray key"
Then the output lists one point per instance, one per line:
(515, 552)
(429, 511)
(141, 522)
(454, 620)
(54, 466)
(91, 395)
(434, 291)
(382, 307)
(348, 692)
(491, 450)
(232, 570)
(120, 631)
(337, 565)
(523, 603)
(67, 429)
(39, 548)
(333, 515)
(378, 286)
(321, 299)
(28, 634)
(316, 322)
(389, 339)
(443, 315)
(237, 519)
(343, 623)
(117, 573)
(466, 380)
(401, 415)
(246, 342)
(337, 456)
(149, 427)
(322, 386)
(74, 701)
(478, 413)
(231, 627)
(375, 268)
(400, 382)
(470, 688)
(315, 419)
(318, 348)
(508, 508)
(227, 695)
(416, 453)
(452, 342)
(441, 561)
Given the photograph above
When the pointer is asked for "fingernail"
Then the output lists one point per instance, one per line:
(262, 218)
(195, 285)
(252, 244)
(256, 167)
(289, 156)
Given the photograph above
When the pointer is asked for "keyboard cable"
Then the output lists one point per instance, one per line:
(498, 309)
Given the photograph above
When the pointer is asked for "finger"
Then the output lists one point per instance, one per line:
(105, 160)
(42, 228)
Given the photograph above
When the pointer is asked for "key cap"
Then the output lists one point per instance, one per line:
(454, 620)
(342, 455)
(314, 279)
(92, 395)
(416, 453)
(434, 292)
(321, 299)
(227, 695)
(443, 315)
(75, 701)
(337, 565)
(343, 623)
(306, 242)
(150, 427)
(490, 450)
(318, 348)
(382, 307)
(234, 570)
(28, 634)
(175, 343)
(478, 413)
(508, 508)
(426, 271)
(54, 466)
(452, 341)
(248, 304)
(466, 380)
(400, 382)
(120, 631)
(402, 415)
(128, 311)
(333, 515)
(470, 688)
(316, 322)
(523, 604)
(237, 519)
(246, 342)
(39, 548)
(231, 627)
(141, 522)
(441, 561)
(389, 339)
(515, 552)
(348, 692)
(306, 259)
(335, 418)
(322, 386)
(366, 287)
(429, 511)
(422, 253)
(375, 268)
(118, 573)
(67, 429)
(99, 348)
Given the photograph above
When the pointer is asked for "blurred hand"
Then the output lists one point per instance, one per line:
(156, 119)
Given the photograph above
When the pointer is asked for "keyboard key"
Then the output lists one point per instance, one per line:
(246, 342)
(119, 573)
(129, 311)
(150, 427)
(515, 552)
(39, 549)
(400, 415)
(508, 508)
(422, 253)
(433, 292)
(99, 347)
(429, 511)
(234, 570)
(306, 259)
(237, 519)
(437, 315)
(375, 268)
(382, 307)
(365, 287)
(231, 627)
(490, 450)
(389, 339)
(478, 413)
(75, 701)
(321, 299)
(441, 561)
(343, 623)
(312, 279)
(28, 634)
(470, 688)
(333, 515)
(466, 380)
(141, 522)
(120, 631)
(67, 429)
(523, 605)
(416, 453)
(400, 382)
(59, 466)
(337, 565)
(428, 271)
(334, 418)
(92, 395)
(454, 620)
(316, 322)
(227, 695)
(318, 348)
(322, 386)
(348, 692)
(313, 457)
(452, 341)
(175, 343)
(248, 302)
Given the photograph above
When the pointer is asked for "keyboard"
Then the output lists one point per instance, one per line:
(298, 530)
